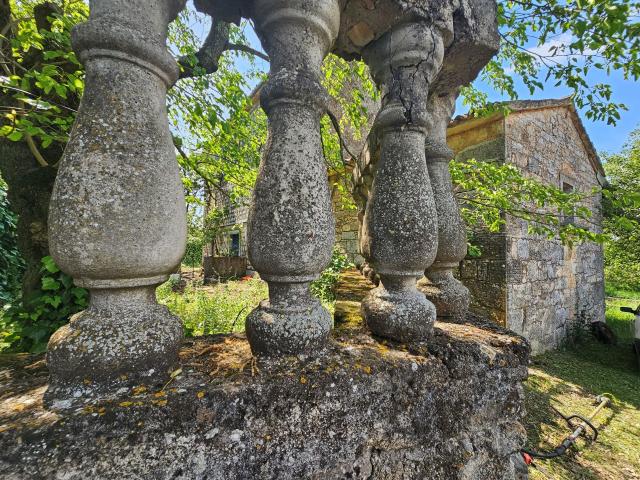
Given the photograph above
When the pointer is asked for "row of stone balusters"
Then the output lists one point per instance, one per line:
(117, 216)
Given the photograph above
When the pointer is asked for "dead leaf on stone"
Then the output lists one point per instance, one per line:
(139, 390)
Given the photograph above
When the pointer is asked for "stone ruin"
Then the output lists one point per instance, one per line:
(417, 400)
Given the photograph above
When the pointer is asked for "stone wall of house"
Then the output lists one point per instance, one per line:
(347, 226)
(551, 288)
(485, 276)
(534, 286)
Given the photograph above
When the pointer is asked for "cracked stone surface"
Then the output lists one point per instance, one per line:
(362, 409)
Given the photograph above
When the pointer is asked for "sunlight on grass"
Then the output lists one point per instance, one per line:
(220, 308)
(569, 380)
(622, 323)
(613, 291)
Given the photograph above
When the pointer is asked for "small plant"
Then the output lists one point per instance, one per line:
(28, 324)
(324, 287)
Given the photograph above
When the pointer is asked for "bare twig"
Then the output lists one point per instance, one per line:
(247, 49)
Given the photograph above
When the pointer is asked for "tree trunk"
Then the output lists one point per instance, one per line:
(29, 190)
(29, 184)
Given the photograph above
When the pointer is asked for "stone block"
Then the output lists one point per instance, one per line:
(360, 409)
(523, 249)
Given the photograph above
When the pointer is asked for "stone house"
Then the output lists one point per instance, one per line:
(535, 286)
(232, 239)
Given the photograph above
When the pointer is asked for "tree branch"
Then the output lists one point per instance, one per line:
(247, 49)
(209, 55)
(216, 43)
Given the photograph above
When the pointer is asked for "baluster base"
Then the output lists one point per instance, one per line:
(449, 295)
(273, 331)
(123, 338)
(400, 314)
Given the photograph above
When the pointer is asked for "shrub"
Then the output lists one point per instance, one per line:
(27, 326)
(11, 264)
(324, 287)
(193, 254)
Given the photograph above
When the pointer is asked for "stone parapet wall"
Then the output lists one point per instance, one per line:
(362, 409)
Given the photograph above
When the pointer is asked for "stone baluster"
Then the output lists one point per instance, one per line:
(399, 236)
(291, 228)
(117, 216)
(447, 293)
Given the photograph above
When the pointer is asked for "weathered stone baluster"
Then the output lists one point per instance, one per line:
(117, 216)
(399, 231)
(291, 228)
(447, 293)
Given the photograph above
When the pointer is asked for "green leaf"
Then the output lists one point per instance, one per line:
(50, 265)
(49, 283)
(15, 136)
(54, 301)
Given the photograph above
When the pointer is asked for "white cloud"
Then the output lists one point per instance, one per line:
(558, 46)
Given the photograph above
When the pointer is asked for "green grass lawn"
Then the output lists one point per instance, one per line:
(569, 380)
(621, 322)
(613, 291)
(220, 308)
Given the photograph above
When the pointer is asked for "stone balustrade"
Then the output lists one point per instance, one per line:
(400, 225)
(450, 297)
(118, 216)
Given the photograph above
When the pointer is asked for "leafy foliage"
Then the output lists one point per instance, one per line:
(218, 131)
(27, 326)
(11, 264)
(622, 216)
(487, 192)
(565, 42)
(42, 75)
